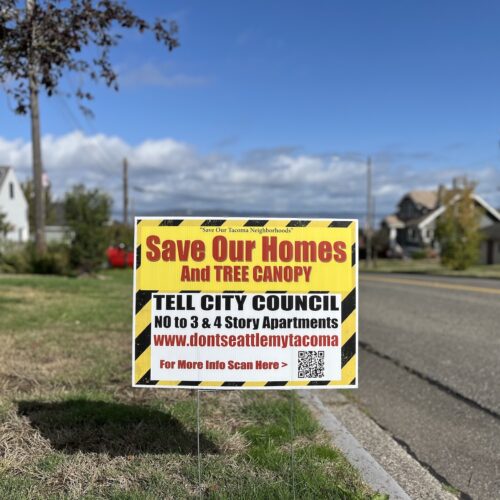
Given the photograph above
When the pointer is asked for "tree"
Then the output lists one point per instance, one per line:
(28, 188)
(458, 230)
(87, 215)
(120, 233)
(5, 226)
(42, 42)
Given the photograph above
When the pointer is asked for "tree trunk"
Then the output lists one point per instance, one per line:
(125, 192)
(36, 149)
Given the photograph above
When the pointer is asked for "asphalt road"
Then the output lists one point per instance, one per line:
(429, 373)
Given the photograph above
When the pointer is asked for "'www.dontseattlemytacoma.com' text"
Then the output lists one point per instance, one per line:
(246, 340)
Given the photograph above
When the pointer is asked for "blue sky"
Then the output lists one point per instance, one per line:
(298, 92)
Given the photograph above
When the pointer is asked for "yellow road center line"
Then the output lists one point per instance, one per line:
(432, 284)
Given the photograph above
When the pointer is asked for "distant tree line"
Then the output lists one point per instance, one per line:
(89, 231)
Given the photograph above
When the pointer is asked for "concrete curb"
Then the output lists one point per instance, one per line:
(382, 463)
(370, 470)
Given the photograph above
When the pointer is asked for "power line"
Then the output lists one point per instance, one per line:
(106, 159)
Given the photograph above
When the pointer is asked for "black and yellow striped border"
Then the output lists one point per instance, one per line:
(141, 345)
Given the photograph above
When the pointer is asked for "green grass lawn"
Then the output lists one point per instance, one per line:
(72, 427)
(431, 266)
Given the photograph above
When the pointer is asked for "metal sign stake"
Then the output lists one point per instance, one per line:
(198, 440)
(292, 438)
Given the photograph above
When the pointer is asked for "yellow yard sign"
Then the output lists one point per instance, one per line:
(245, 303)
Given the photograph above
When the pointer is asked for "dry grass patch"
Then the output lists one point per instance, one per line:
(72, 427)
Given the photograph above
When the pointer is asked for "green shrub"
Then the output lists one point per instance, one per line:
(54, 261)
(17, 259)
(458, 228)
(14, 259)
(419, 254)
(121, 233)
(87, 214)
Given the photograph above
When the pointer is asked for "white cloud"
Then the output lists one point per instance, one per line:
(164, 154)
(168, 175)
(158, 75)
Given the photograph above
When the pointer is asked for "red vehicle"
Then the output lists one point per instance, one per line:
(120, 256)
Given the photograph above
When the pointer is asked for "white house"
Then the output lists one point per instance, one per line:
(14, 205)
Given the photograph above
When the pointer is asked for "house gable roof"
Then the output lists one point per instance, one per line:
(436, 213)
(3, 174)
(427, 199)
(492, 211)
(9, 173)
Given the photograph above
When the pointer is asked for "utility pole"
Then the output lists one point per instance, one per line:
(369, 214)
(36, 148)
(125, 191)
(374, 218)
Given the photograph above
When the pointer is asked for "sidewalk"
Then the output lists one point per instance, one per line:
(381, 461)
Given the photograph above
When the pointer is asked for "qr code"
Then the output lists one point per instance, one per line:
(311, 364)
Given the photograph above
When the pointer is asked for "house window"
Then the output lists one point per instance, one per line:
(11, 190)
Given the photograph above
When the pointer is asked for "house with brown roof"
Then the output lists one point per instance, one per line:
(413, 226)
(14, 205)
